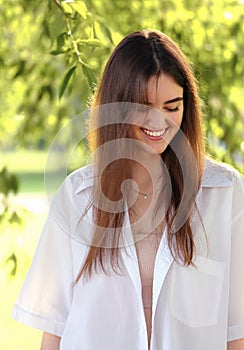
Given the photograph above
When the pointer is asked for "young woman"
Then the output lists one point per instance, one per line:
(143, 248)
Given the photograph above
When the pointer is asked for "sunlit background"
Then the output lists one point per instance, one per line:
(51, 56)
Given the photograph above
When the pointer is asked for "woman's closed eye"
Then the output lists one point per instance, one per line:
(175, 109)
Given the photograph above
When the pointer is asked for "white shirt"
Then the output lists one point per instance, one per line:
(194, 308)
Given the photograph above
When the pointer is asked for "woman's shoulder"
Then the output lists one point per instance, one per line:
(73, 192)
(80, 179)
(219, 174)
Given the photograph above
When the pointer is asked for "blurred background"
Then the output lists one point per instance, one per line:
(51, 57)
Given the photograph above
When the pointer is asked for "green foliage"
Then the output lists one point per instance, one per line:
(12, 214)
(12, 259)
(66, 80)
(9, 214)
(8, 182)
(51, 62)
(37, 61)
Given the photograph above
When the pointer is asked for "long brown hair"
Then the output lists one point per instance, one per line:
(138, 57)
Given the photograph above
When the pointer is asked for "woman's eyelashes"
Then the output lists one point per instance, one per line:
(168, 109)
(175, 109)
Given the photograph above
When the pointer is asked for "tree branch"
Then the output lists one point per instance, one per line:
(70, 34)
(57, 2)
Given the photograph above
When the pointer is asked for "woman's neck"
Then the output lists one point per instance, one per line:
(148, 174)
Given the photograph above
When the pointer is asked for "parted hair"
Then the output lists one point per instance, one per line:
(138, 57)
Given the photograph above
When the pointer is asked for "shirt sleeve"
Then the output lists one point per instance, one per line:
(46, 295)
(236, 298)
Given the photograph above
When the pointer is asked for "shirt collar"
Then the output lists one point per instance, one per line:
(215, 175)
(87, 177)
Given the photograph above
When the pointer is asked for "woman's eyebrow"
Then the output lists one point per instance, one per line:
(148, 103)
(173, 100)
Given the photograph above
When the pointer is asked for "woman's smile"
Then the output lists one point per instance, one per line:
(155, 135)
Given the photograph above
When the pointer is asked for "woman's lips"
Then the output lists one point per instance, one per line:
(155, 134)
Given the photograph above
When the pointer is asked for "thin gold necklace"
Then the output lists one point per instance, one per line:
(144, 195)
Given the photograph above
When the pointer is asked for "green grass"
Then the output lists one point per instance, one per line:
(20, 161)
(28, 166)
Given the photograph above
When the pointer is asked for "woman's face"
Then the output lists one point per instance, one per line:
(161, 123)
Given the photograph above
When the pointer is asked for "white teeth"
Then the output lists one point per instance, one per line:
(154, 133)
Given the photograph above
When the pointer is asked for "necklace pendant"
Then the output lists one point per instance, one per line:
(145, 196)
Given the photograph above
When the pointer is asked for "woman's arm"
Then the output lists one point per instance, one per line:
(50, 342)
(236, 344)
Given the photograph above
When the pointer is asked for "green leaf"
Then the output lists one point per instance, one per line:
(59, 44)
(60, 41)
(89, 75)
(12, 259)
(66, 7)
(3, 181)
(8, 182)
(15, 219)
(66, 80)
(13, 183)
(57, 52)
(80, 8)
(89, 42)
(106, 31)
(20, 68)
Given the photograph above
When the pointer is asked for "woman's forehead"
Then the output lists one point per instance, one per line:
(163, 88)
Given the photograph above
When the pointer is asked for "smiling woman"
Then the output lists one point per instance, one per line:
(166, 96)
(143, 249)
